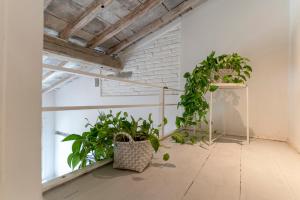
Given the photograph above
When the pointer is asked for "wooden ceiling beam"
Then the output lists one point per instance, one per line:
(47, 3)
(62, 48)
(155, 25)
(87, 16)
(123, 23)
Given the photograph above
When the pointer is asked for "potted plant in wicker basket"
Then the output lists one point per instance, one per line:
(129, 141)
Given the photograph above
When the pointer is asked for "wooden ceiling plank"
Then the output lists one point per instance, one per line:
(123, 23)
(155, 25)
(47, 3)
(62, 48)
(90, 13)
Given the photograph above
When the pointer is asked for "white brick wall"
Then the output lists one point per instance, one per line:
(157, 62)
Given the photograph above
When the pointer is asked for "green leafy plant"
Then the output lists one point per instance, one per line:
(97, 143)
(201, 80)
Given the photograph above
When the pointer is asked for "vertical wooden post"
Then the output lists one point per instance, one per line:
(162, 111)
(247, 112)
(210, 118)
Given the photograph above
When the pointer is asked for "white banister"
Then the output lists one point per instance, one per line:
(162, 110)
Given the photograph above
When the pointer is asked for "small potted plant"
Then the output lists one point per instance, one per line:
(129, 141)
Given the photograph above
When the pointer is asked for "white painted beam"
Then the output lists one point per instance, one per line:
(68, 108)
(94, 75)
(58, 84)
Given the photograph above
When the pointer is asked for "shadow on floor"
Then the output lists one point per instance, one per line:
(162, 165)
(231, 139)
(108, 172)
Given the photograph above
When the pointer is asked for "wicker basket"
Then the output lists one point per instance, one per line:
(132, 155)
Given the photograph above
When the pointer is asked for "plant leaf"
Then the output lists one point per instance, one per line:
(72, 137)
(166, 157)
(154, 142)
(75, 160)
(213, 88)
(76, 146)
(70, 157)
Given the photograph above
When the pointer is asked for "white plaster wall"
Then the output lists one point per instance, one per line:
(21, 36)
(294, 75)
(48, 138)
(255, 29)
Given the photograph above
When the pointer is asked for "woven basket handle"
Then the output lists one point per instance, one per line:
(125, 134)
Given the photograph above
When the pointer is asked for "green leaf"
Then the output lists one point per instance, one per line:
(154, 142)
(247, 67)
(247, 74)
(118, 114)
(243, 77)
(193, 139)
(75, 160)
(213, 88)
(150, 118)
(72, 137)
(76, 146)
(178, 122)
(187, 75)
(216, 77)
(70, 157)
(165, 121)
(166, 157)
(178, 137)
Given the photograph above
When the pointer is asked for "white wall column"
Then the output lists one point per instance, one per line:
(294, 75)
(21, 40)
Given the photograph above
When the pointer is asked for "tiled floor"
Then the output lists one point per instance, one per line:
(228, 170)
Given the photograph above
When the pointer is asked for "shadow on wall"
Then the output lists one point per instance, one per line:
(229, 112)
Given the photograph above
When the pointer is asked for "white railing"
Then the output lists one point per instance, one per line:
(162, 105)
(162, 94)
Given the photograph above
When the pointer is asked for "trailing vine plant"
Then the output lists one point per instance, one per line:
(200, 81)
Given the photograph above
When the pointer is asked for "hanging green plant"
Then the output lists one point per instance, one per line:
(231, 68)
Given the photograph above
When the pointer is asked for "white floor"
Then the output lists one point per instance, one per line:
(228, 170)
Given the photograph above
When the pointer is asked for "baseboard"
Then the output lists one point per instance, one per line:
(270, 138)
(295, 147)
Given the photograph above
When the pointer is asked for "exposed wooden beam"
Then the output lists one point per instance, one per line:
(60, 47)
(87, 16)
(155, 25)
(123, 23)
(46, 3)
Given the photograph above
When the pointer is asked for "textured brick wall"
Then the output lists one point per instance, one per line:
(157, 62)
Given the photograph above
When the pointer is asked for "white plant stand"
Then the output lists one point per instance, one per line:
(229, 86)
